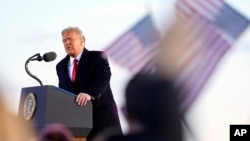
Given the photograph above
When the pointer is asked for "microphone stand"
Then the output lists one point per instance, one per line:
(32, 58)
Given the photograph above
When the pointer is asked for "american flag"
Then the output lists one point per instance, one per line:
(135, 48)
(213, 27)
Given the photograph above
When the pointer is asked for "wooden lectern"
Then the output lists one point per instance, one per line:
(43, 105)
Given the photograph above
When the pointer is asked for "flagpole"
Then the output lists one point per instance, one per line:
(187, 127)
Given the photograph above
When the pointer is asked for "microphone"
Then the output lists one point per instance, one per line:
(50, 56)
(47, 57)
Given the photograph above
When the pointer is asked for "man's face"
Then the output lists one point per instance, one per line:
(72, 43)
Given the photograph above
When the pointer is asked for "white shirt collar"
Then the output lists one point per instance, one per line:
(77, 57)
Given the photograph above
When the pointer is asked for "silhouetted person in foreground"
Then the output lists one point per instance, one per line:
(151, 110)
(13, 128)
(55, 132)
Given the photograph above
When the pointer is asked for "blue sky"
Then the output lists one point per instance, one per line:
(29, 27)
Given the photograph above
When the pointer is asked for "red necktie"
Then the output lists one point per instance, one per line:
(74, 70)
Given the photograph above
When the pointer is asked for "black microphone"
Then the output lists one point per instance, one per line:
(50, 56)
(47, 57)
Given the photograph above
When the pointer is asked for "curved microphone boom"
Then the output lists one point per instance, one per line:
(47, 57)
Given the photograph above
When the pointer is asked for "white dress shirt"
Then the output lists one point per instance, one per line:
(71, 64)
